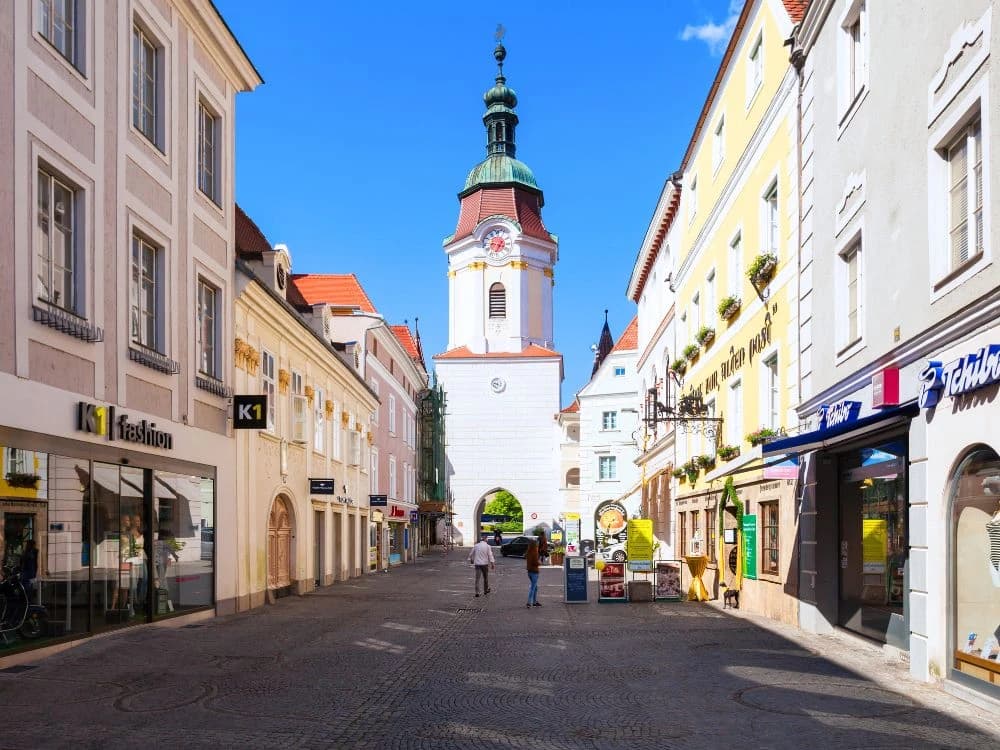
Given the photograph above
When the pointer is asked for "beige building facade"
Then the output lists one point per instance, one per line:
(116, 292)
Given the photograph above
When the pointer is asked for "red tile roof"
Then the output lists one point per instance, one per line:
(796, 9)
(572, 408)
(402, 333)
(250, 241)
(661, 233)
(522, 206)
(341, 290)
(629, 340)
(531, 350)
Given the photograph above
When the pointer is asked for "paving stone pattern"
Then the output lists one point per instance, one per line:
(411, 659)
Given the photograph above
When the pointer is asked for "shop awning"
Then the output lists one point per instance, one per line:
(810, 441)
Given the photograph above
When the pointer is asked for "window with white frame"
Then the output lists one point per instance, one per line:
(852, 56)
(719, 143)
(771, 395)
(609, 420)
(319, 421)
(374, 471)
(755, 67)
(378, 406)
(619, 372)
(146, 292)
(735, 272)
(147, 85)
(208, 152)
(354, 438)
(683, 332)
(392, 477)
(337, 428)
(268, 387)
(710, 295)
(710, 442)
(770, 219)
(57, 244)
(607, 467)
(965, 194)
(58, 23)
(694, 199)
(299, 411)
(851, 298)
(734, 419)
(392, 414)
(696, 312)
(208, 329)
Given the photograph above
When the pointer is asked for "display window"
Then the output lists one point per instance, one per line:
(975, 544)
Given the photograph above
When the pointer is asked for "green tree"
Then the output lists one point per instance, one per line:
(505, 504)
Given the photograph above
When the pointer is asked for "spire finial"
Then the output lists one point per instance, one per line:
(605, 315)
(500, 52)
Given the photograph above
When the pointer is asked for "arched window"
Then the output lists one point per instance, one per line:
(498, 301)
(573, 478)
(975, 567)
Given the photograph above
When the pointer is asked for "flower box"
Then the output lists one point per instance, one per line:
(678, 473)
(679, 366)
(23, 481)
(691, 351)
(705, 462)
(728, 452)
(761, 436)
(762, 269)
(729, 307)
(705, 335)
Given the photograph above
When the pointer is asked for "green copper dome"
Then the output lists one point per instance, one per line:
(500, 169)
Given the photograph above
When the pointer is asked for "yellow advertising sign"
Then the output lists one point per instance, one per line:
(875, 537)
(572, 516)
(639, 544)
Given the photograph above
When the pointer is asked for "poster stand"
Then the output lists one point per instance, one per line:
(611, 583)
(667, 586)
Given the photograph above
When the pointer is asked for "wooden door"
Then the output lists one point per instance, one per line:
(279, 546)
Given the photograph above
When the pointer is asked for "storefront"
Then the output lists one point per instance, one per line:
(377, 541)
(98, 536)
(402, 538)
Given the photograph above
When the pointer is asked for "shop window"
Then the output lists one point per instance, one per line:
(975, 550)
(696, 535)
(769, 548)
(299, 410)
(711, 519)
(682, 534)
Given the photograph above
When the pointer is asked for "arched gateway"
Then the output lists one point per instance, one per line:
(501, 372)
(280, 559)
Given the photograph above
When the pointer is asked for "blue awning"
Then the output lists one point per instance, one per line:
(810, 441)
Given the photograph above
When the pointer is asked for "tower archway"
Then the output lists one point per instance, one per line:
(498, 509)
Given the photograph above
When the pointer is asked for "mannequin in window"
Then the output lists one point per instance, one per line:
(993, 536)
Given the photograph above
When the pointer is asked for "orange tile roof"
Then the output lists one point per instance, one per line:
(796, 9)
(402, 333)
(531, 350)
(629, 340)
(340, 289)
(250, 241)
(572, 408)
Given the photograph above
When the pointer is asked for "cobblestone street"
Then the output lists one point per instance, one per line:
(412, 660)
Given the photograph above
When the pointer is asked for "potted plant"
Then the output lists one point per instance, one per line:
(761, 436)
(557, 554)
(729, 307)
(691, 471)
(728, 452)
(705, 461)
(691, 351)
(705, 335)
(762, 268)
(679, 366)
(678, 473)
(23, 481)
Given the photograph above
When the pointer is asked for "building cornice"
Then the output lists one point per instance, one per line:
(811, 26)
(656, 233)
(211, 29)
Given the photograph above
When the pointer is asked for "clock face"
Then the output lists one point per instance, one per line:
(497, 244)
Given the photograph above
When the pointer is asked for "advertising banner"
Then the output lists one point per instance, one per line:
(639, 545)
(668, 581)
(611, 583)
(750, 547)
(612, 522)
(576, 580)
(572, 533)
(875, 538)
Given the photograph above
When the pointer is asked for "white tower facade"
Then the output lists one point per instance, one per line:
(501, 373)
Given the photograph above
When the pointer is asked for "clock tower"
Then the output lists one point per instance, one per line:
(501, 372)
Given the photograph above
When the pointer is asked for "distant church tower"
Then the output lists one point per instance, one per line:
(501, 373)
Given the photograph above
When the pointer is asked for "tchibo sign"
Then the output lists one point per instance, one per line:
(101, 420)
(839, 413)
(960, 376)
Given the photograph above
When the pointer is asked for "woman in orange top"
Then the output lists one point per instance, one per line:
(531, 559)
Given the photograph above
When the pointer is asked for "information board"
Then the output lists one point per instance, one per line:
(611, 583)
(639, 545)
(572, 533)
(575, 587)
(750, 547)
(668, 581)
(875, 539)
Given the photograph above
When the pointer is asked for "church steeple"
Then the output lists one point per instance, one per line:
(603, 347)
(500, 118)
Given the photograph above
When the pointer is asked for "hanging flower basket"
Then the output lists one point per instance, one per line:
(705, 335)
(691, 351)
(705, 462)
(729, 307)
(678, 473)
(761, 436)
(762, 269)
(679, 366)
(691, 471)
(728, 452)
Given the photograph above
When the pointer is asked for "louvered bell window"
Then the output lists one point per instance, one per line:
(498, 301)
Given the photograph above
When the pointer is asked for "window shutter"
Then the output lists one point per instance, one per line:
(498, 301)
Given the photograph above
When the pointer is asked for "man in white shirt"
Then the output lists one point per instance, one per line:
(481, 556)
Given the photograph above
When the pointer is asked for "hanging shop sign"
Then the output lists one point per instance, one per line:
(668, 581)
(377, 516)
(639, 545)
(575, 586)
(250, 412)
(414, 516)
(960, 376)
(378, 501)
(837, 414)
(750, 546)
(611, 583)
(885, 388)
(102, 420)
(322, 486)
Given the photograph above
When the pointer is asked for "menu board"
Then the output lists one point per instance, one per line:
(668, 580)
(575, 569)
(611, 583)
(639, 545)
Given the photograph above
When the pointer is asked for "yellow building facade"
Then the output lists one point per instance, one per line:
(736, 313)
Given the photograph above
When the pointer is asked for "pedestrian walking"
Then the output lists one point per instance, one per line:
(543, 547)
(497, 537)
(531, 558)
(481, 555)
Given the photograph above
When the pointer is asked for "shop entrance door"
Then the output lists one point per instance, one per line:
(872, 542)
(320, 523)
(279, 545)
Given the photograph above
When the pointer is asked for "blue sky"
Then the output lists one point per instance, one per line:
(369, 120)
